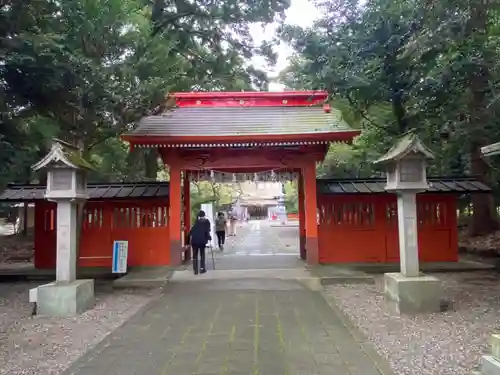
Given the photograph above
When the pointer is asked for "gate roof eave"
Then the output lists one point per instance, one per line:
(225, 141)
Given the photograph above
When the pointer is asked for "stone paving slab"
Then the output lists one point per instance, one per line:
(262, 273)
(258, 245)
(229, 327)
(145, 277)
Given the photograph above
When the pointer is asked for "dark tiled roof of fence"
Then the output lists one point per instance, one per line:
(126, 190)
(376, 185)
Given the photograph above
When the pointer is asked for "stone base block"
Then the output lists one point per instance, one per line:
(489, 365)
(65, 299)
(495, 346)
(407, 295)
(312, 283)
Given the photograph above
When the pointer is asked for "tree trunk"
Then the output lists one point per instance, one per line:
(399, 111)
(41, 175)
(26, 204)
(25, 218)
(484, 216)
(396, 92)
(156, 15)
(80, 211)
(151, 164)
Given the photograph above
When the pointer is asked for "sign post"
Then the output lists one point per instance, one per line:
(210, 215)
(120, 254)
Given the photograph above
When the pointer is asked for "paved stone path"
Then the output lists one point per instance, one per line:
(259, 245)
(259, 321)
(261, 238)
(241, 327)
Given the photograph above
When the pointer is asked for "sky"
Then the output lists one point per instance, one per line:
(302, 13)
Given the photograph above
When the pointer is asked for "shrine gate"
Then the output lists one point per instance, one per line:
(272, 133)
(245, 132)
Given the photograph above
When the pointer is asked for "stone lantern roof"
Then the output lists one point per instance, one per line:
(410, 143)
(66, 154)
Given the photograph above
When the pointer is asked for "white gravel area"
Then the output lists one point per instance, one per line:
(449, 343)
(38, 345)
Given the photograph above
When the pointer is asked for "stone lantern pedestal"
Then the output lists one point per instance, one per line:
(409, 291)
(66, 185)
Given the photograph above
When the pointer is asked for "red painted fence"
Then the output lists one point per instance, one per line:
(352, 228)
(363, 228)
(144, 224)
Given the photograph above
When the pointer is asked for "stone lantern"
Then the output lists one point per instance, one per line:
(406, 164)
(66, 186)
(491, 150)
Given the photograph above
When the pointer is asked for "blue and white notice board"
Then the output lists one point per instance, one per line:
(120, 254)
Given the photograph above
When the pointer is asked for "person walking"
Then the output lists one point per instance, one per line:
(232, 225)
(198, 237)
(220, 230)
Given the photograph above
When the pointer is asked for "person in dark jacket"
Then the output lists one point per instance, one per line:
(198, 237)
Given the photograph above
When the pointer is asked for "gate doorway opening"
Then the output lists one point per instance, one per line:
(251, 239)
(258, 212)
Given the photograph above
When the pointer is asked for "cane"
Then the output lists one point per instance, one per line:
(212, 253)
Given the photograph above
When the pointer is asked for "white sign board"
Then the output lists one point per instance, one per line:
(210, 215)
(281, 213)
(120, 254)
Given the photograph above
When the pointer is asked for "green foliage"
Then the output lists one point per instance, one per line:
(214, 38)
(87, 70)
(210, 192)
(291, 197)
(400, 65)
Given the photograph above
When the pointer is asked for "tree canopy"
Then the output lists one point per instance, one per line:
(394, 66)
(87, 70)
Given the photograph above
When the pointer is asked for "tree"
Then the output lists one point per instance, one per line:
(214, 38)
(402, 65)
(467, 49)
(94, 67)
(211, 192)
(83, 71)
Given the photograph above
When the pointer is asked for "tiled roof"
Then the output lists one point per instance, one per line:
(241, 121)
(20, 193)
(377, 185)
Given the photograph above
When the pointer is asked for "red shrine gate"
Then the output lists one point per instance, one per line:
(244, 132)
(250, 132)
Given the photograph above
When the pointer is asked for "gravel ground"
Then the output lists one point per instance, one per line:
(42, 345)
(449, 343)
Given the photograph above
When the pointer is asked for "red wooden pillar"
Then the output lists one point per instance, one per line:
(302, 217)
(187, 211)
(175, 211)
(310, 205)
(453, 225)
